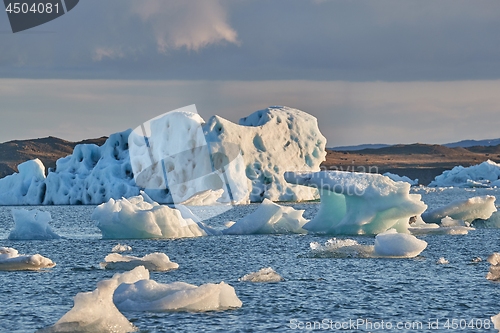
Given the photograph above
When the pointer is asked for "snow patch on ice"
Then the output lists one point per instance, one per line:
(359, 203)
(149, 295)
(266, 274)
(95, 311)
(152, 262)
(31, 224)
(269, 218)
(11, 260)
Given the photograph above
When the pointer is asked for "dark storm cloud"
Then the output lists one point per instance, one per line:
(361, 40)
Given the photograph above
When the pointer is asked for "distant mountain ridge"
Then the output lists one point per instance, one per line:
(463, 144)
(48, 150)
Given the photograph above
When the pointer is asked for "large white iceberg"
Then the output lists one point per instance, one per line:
(31, 224)
(152, 262)
(467, 210)
(149, 295)
(95, 311)
(140, 217)
(11, 260)
(389, 244)
(269, 218)
(359, 203)
(178, 155)
(486, 174)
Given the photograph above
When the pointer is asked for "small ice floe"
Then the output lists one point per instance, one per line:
(442, 261)
(140, 217)
(149, 295)
(95, 311)
(494, 273)
(153, 262)
(263, 275)
(269, 218)
(10, 260)
(389, 244)
(476, 260)
(31, 224)
(448, 226)
(118, 248)
(467, 210)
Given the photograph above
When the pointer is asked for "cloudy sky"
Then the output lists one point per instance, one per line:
(371, 71)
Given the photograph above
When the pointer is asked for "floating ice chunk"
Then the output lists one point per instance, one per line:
(149, 295)
(398, 178)
(393, 244)
(468, 210)
(341, 248)
(137, 217)
(494, 273)
(152, 262)
(10, 260)
(442, 261)
(450, 227)
(359, 203)
(31, 224)
(269, 218)
(476, 259)
(121, 248)
(485, 174)
(496, 321)
(95, 311)
(263, 275)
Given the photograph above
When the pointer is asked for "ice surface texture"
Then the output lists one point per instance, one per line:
(263, 275)
(140, 217)
(31, 224)
(359, 203)
(466, 210)
(269, 218)
(178, 156)
(95, 311)
(398, 178)
(486, 174)
(152, 262)
(10, 260)
(149, 295)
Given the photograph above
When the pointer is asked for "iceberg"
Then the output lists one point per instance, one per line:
(269, 218)
(11, 260)
(152, 262)
(31, 224)
(398, 178)
(263, 275)
(486, 174)
(442, 261)
(359, 203)
(467, 210)
(178, 155)
(494, 272)
(149, 295)
(95, 311)
(389, 244)
(140, 217)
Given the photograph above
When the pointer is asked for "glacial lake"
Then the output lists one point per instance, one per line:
(328, 294)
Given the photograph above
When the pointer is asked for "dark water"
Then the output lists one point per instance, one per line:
(362, 295)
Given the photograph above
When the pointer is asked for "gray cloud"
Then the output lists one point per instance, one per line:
(364, 40)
